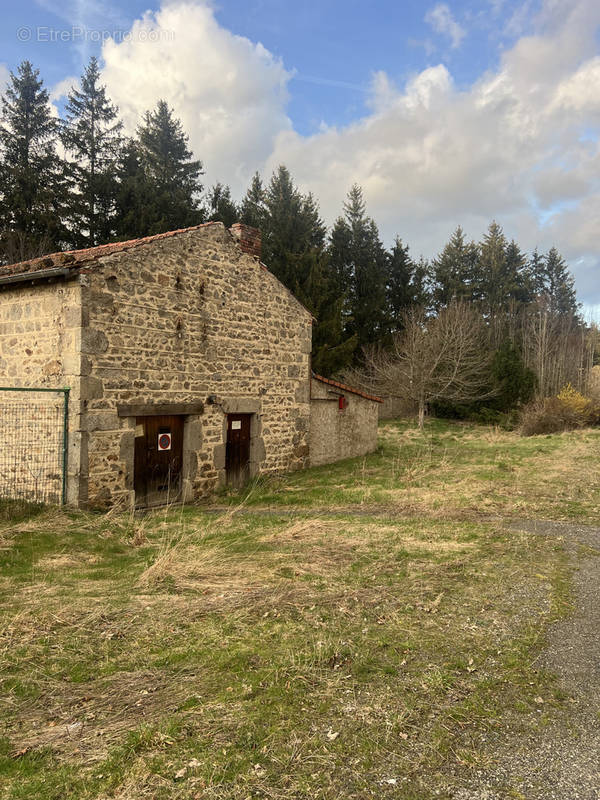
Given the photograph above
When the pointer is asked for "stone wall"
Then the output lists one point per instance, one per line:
(178, 320)
(40, 337)
(336, 434)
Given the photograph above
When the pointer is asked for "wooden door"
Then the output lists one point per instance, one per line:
(158, 459)
(237, 458)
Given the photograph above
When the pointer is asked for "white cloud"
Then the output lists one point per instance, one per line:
(441, 20)
(579, 91)
(230, 93)
(520, 145)
(4, 77)
(63, 87)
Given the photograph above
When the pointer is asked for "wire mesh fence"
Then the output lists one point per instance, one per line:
(33, 444)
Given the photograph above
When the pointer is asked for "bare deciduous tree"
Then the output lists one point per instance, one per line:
(558, 347)
(445, 358)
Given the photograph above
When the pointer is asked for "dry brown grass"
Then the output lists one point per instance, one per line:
(152, 643)
(359, 536)
(64, 561)
(508, 477)
(315, 547)
(91, 718)
(53, 518)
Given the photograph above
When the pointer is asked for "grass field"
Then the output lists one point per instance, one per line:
(455, 469)
(263, 652)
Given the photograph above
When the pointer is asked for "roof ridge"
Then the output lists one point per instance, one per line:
(83, 255)
(346, 388)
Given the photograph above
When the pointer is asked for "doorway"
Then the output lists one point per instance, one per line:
(237, 452)
(158, 460)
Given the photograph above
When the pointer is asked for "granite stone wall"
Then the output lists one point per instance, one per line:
(40, 342)
(180, 320)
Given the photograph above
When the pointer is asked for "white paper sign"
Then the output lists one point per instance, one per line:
(236, 424)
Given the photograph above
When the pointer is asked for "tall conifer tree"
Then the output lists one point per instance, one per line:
(91, 135)
(135, 211)
(560, 285)
(253, 210)
(535, 274)
(170, 177)
(221, 207)
(502, 271)
(294, 249)
(360, 262)
(405, 284)
(31, 175)
(455, 271)
(291, 225)
(516, 273)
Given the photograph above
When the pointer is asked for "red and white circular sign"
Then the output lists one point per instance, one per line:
(164, 441)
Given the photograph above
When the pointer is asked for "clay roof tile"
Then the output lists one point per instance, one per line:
(345, 388)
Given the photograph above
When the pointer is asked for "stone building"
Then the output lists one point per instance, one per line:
(187, 361)
(343, 421)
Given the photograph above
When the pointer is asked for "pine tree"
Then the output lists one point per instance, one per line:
(253, 210)
(286, 229)
(535, 272)
(551, 283)
(503, 273)
(493, 268)
(332, 350)
(517, 274)
(31, 178)
(135, 212)
(405, 284)
(91, 135)
(171, 176)
(359, 264)
(455, 271)
(560, 285)
(220, 206)
(294, 250)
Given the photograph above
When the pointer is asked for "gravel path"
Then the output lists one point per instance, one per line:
(561, 760)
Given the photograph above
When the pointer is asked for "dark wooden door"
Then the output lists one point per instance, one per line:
(237, 460)
(158, 459)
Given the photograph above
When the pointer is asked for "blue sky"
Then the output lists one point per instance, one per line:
(332, 46)
(446, 113)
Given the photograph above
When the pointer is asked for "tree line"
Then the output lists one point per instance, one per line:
(78, 181)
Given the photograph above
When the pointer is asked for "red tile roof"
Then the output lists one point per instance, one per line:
(345, 388)
(76, 258)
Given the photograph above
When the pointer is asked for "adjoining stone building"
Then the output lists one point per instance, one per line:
(188, 363)
(343, 421)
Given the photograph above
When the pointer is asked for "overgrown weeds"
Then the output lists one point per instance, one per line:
(567, 411)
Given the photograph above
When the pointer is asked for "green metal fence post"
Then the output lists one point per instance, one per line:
(65, 460)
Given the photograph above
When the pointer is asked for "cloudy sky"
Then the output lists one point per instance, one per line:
(446, 113)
